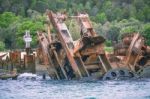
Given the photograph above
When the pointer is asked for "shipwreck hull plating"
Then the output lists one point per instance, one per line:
(73, 59)
(86, 58)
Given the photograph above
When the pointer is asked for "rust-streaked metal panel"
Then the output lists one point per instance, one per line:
(29, 61)
(47, 58)
(65, 38)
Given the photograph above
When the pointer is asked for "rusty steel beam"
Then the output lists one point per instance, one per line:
(54, 51)
(47, 58)
(65, 39)
(136, 44)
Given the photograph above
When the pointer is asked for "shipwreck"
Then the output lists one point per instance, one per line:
(84, 58)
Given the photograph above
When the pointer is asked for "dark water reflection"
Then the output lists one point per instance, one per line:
(49, 89)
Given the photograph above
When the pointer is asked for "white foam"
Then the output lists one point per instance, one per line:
(27, 76)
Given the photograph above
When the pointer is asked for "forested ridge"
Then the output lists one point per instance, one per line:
(110, 18)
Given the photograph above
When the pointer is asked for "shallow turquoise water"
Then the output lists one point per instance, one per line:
(49, 89)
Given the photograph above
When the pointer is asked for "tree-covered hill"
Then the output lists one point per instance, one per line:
(110, 9)
(111, 18)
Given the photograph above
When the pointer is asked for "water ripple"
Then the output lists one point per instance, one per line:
(50, 89)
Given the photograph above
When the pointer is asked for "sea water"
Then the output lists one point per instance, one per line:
(29, 86)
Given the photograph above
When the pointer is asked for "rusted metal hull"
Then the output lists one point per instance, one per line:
(67, 59)
(85, 57)
(132, 53)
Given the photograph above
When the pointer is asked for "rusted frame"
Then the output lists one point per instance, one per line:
(86, 27)
(55, 53)
(57, 23)
(15, 59)
(47, 58)
(129, 52)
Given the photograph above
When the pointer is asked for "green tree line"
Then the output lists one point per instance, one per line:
(110, 18)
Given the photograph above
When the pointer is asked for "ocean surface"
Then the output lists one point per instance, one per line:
(26, 87)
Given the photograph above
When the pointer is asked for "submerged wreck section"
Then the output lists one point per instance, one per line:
(68, 59)
(132, 53)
